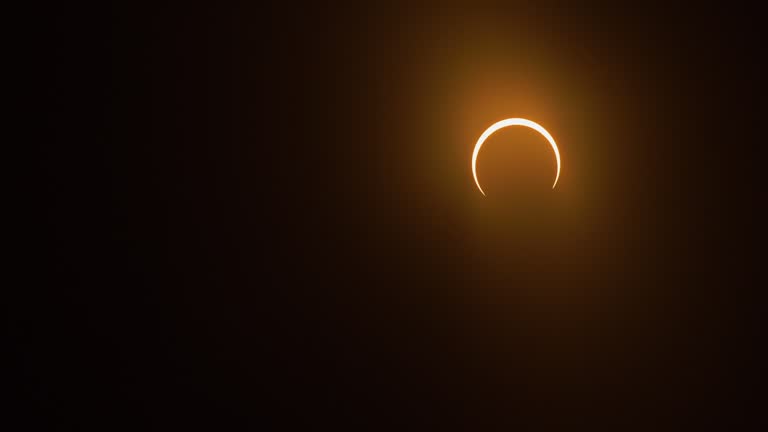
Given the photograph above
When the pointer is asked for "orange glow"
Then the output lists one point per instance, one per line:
(513, 122)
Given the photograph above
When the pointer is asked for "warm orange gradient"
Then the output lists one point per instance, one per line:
(513, 122)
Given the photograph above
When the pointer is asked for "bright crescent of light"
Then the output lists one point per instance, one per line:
(513, 122)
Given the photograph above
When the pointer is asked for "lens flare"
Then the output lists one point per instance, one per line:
(513, 122)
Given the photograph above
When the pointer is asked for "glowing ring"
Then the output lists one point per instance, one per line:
(513, 122)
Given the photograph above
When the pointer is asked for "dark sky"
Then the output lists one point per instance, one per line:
(265, 215)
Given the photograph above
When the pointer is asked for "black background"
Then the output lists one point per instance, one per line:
(265, 215)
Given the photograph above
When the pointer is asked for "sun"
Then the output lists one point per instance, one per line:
(513, 122)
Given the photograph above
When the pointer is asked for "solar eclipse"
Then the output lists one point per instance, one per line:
(513, 122)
